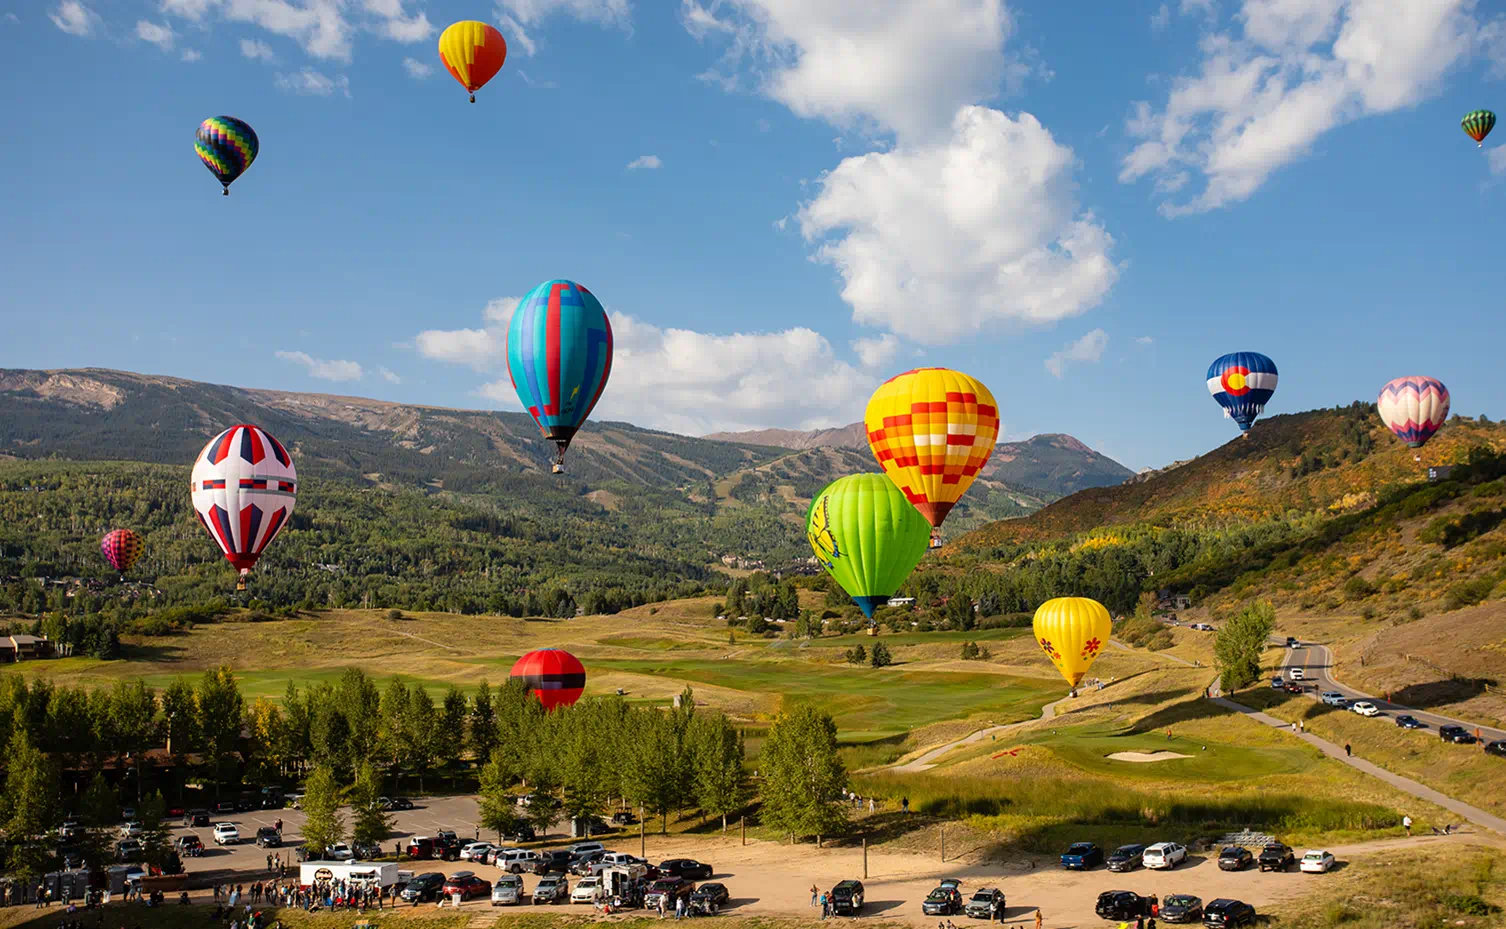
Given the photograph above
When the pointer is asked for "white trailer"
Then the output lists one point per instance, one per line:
(381, 873)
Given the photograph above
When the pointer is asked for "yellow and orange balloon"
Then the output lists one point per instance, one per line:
(1073, 632)
(473, 53)
(932, 430)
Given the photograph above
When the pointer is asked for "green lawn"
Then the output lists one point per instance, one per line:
(919, 638)
(1088, 748)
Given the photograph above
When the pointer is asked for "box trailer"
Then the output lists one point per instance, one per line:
(381, 873)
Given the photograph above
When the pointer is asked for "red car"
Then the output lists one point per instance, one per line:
(467, 884)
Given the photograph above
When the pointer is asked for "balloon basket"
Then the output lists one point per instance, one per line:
(557, 469)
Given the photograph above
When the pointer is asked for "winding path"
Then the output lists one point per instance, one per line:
(928, 760)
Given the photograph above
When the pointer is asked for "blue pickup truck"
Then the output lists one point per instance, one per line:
(1081, 856)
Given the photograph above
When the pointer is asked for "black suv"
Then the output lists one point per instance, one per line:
(1222, 913)
(985, 904)
(1456, 734)
(196, 818)
(688, 868)
(1497, 748)
(1181, 908)
(1234, 858)
(846, 898)
(1276, 857)
(1121, 905)
(554, 861)
(1127, 858)
(423, 887)
(268, 837)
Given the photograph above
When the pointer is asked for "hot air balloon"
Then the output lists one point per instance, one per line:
(243, 487)
(121, 548)
(559, 356)
(1242, 383)
(1073, 632)
(1414, 408)
(1477, 125)
(227, 146)
(932, 430)
(554, 675)
(867, 536)
(473, 53)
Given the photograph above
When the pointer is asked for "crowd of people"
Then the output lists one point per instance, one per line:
(338, 894)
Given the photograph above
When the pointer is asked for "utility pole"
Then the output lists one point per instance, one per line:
(941, 827)
(642, 839)
(742, 822)
(865, 858)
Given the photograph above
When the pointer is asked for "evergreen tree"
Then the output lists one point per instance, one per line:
(880, 657)
(719, 782)
(803, 776)
(324, 826)
(373, 824)
(450, 737)
(481, 727)
(156, 840)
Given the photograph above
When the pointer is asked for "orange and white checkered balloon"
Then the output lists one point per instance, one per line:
(932, 430)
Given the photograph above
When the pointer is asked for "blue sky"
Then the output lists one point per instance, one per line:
(1082, 211)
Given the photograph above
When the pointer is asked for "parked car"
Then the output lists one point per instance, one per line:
(196, 817)
(447, 845)
(1456, 734)
(846, 898)
(1181, 908)
(226, 834)
(399, 803)
(131, 830)
(1497, 748)
(1276, 857)
(1122, 905)
(984, 903)
(272, 798)
(552, 861)
(1364, 708)
(1407, 721)
(467, 884)
(1334, 698)
(709, 897)
(1165, 855)
(423, 887)
(521, 833)
(245, 803)
(507, 891)
(339, 852)
(623, 818)
(1127, 858)
(582, 864)
(189, 846)
(68, 830)
(366, 852)
(587, 889)
(945, 900)
(128, 850)
(688, 868)
(476, 851)
(294, 799)
(1080, 856)
(268, 837)
(420, 847)
(668, 889)
(516, 860)
(1224, 914)
(225, 806)
(1316, 862)
(127, 813)
(1234, 858)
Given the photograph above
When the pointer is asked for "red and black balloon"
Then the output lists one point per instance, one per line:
(554, 675)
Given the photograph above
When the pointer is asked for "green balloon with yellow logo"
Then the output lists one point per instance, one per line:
(867, 536)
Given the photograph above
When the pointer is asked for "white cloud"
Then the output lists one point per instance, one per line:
(1496, 158)
(256, 50)
(396, 25)
(1206, 7)
(896, 64)
(694, 382)
(1160, 19)
(1290, 71)
(1087, 349)
(324, 370)
(606, 12)
(940, 240)
(389, 376)
(483, 349)
(74, 18)
(311, 83)
(499, 312)
(1144, 340)
(324, 28)
(160, 36)
(650, 162)
(531, 82)
(191, 55)
(876, 351)
(518, 39)
(417, 69)
(10, 18)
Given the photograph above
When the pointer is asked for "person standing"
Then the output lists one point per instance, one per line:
(1038, 918)
(1348, 752)
(1406, 823)
(814, 892)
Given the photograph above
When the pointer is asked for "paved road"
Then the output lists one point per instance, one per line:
(1316, 662)
(1473, 814)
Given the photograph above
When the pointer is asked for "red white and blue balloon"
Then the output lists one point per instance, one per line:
(1414, 408)
(1242, 383)
(243, 488)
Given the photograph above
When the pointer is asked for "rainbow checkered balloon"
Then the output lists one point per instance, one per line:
(227, 146)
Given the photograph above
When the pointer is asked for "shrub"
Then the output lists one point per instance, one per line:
(856, 655)
(1368, 611)
(1357, 588)
(880, 657)
(394, 614)
(1468, 593)
(1470, 905)
(1414, 612)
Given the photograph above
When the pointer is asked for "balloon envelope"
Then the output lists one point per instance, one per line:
(473, 53)
(243, 487)
(932, 430)
(121, 548)
(559, 356)
(1242, 383)
(227, 146)
(867, 536)
(1073, 632)
(554, 675)
(1477, 124)
(1414, 408)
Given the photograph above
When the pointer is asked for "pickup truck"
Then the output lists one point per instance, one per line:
(1276, 857)
(1081, 856)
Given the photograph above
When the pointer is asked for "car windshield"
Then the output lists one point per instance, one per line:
(940, 893)
(1231, 853)
(1181, 900)
(1314, 856)
(982, 897)
(661, 886)
(1080, 848)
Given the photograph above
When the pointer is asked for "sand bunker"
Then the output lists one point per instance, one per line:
(1146, 756)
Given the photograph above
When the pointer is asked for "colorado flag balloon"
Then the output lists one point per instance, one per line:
(1073, 632)
(559, 356)
(243, 487)
(227, 146)
(932, 430)
(473, 53)
(867, 536)
(1242, 383)
(1414, 408)
(121, 548)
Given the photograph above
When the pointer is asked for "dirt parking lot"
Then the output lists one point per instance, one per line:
(767, 878)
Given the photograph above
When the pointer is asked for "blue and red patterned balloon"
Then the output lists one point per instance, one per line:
(243, 487)
(1242, 383)
(227, 146)
(559, 356)
(1414, 408)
